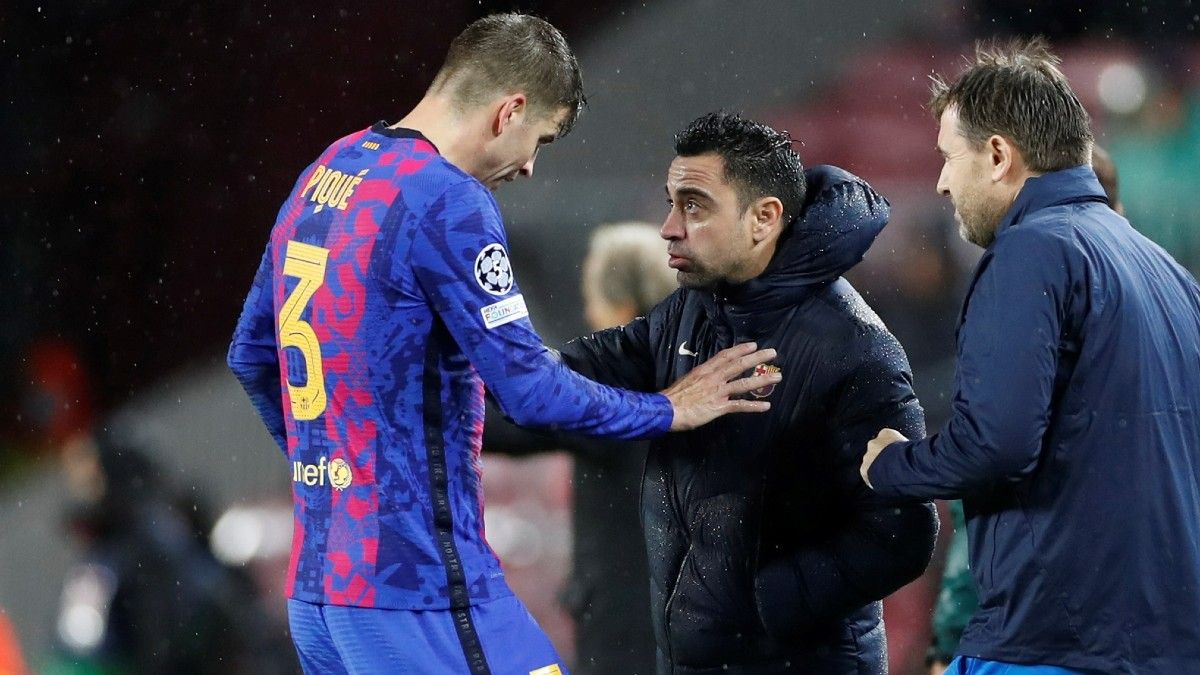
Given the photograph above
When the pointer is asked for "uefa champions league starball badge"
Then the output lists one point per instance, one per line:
(493, 271)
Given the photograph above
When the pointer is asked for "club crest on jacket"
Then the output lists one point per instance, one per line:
(760, 370)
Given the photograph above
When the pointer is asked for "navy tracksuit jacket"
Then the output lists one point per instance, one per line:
(1074, 441)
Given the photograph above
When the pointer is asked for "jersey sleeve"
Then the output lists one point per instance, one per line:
(621, 356)
(253, 355)
(460, 260)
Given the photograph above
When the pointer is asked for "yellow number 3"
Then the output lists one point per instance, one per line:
(307, 263)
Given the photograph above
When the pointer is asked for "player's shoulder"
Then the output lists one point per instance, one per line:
(458, 194)
(336, 148)
(847, 327)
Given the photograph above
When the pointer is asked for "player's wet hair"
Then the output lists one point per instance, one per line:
(759, 161)
(508, 53)
(1016, 90)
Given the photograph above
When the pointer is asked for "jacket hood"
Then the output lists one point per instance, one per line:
(840, 218)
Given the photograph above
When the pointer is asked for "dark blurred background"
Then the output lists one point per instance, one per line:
(149, 144)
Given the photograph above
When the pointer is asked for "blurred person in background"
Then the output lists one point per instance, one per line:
(1106, 173)
(767, 554)
(56, 403)
(1159, 152)
(958, 598)
(147, 595)
(1075, 422)
(624, 275)
(12, 662)
(383, 303)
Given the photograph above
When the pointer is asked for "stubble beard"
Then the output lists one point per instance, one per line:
(973, 234)
(696, 280)
(978, 217)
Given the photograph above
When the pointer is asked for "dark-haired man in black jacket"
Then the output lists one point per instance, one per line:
(767, 553)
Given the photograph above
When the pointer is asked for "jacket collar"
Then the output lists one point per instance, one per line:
(1068, 186)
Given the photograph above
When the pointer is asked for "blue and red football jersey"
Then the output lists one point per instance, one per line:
(384, 302)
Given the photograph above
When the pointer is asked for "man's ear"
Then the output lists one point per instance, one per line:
(767, 213)
(1004, 157)
(509, 109)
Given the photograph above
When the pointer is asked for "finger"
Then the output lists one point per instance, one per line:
(740, 406)
(747, 362)
(726, 359)
(740, 349)
(748, 384)
(735, 352)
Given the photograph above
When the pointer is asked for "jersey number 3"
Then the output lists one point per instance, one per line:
(307, 263)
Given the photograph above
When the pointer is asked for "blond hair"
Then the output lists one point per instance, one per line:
(629, 265)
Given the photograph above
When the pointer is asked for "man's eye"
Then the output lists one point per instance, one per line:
(691, 206)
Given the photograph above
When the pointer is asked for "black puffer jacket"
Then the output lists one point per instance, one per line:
(767, 553)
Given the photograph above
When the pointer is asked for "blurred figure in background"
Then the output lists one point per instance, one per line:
(11, 660)
(625, 273)
(1106, 173)
(148, 596)
(56, 401)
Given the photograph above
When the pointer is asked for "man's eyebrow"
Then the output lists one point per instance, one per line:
(689, 190)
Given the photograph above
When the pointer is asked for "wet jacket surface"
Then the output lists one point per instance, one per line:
(767, 554)
(1075, 440)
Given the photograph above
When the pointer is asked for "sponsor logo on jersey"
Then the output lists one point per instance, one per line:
(337, 471)
(339, 474)
(505, 311)
(552, 669)
(493, 271)
(760, 370)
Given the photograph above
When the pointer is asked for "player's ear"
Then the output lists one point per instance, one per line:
(766, 218)
(1005, 159)
(509, 109)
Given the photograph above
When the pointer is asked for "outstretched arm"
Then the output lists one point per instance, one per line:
(1008, 361)
(462, 267)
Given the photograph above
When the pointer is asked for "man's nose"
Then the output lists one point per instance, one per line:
(672, 228)
(943, 185)
(527, 168)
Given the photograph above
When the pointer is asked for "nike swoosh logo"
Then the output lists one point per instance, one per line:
(684, 351)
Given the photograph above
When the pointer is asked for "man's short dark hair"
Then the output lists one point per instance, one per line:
(1016, 90)
(759, 160)
(507, 53)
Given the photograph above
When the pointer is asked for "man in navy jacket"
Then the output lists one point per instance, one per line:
(767, 553)
(1075, 435)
